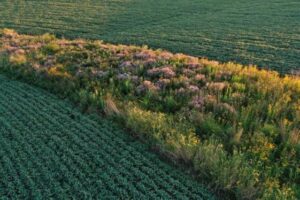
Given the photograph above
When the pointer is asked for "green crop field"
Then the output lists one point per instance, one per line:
(50, 150)
(261, 32)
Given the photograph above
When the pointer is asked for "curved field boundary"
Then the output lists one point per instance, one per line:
(50, 150)
(261, 32)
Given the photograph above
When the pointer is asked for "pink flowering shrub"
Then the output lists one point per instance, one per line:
(163, 83)
(126, 64)
(165, 72)
(193, 89)
(164, 55)
(145, 54)
(145, 87)
(197, 103)
(216, 86)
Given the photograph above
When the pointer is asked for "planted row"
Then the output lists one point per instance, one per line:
(50, 150)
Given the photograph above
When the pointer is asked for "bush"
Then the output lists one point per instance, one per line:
(161, 129)
(228, 172)
(50, 49)
(208, 127)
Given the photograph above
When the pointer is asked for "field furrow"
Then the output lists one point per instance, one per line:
(264, 33)
(48, 149)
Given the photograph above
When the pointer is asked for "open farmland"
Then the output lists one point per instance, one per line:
(260, 32)
(235, 126)
(49, 150)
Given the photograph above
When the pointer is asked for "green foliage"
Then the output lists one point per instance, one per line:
(50, 49)
(232, 34)
(125, 87)
(170, 104)
(163, 130)
(49, 150)
(179, 103)
(208, 127)
(212, 162)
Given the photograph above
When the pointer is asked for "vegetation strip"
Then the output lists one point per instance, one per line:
(236, 127)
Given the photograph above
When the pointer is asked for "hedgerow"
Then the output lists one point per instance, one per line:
(237, 127)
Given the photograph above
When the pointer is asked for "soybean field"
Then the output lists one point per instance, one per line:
(48, 149)
(261, 32)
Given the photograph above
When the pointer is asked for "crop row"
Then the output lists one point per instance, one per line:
(46, 153)
(229, 33)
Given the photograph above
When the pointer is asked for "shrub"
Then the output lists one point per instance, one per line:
(51, 49)
(229, 173)
(125, 86)
(170, 104)
(18, 59)
(160, 129)
(207, 127)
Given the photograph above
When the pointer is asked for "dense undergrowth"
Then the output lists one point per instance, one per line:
(236, 126)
